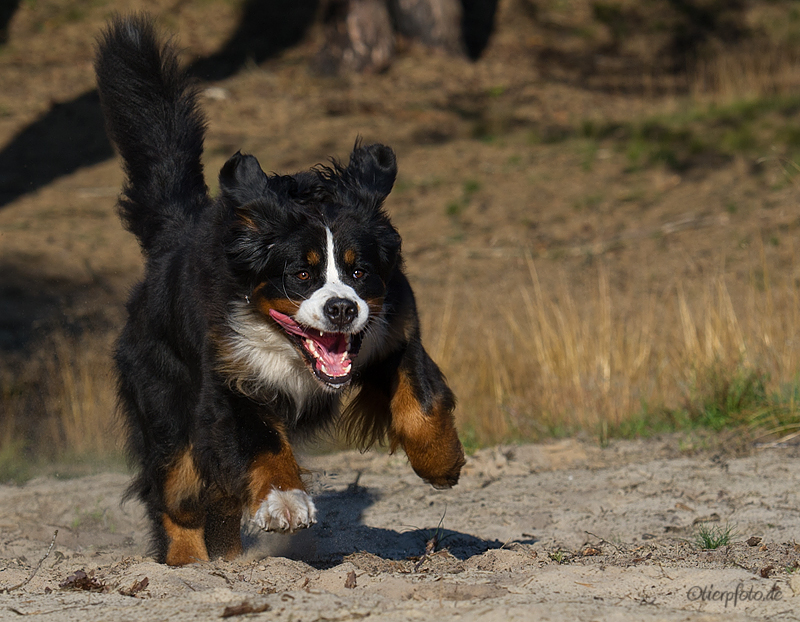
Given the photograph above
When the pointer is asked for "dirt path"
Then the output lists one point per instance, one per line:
(559, 531)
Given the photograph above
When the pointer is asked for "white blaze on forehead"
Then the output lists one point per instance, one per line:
(331, 269)
(311, 312)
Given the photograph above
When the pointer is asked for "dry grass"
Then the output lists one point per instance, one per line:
(563, 361)
(539, 363)
(58, 405)
(751, 70)
(83, 400)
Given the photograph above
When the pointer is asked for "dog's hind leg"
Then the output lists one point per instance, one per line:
(186, 543)
(277, 497)
(184, 520)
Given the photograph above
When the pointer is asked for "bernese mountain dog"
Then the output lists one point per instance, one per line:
(259, 311)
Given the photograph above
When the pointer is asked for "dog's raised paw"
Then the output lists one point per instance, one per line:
(286, 511)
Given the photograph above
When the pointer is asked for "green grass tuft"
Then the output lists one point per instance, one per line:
(710, 537)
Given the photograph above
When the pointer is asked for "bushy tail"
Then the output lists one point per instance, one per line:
(152, 115)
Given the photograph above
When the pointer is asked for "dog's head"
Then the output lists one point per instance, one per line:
(312, 254)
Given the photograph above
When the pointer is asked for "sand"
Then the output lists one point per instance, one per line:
(558, 531)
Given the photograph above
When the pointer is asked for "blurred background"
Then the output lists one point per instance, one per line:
(598, 201)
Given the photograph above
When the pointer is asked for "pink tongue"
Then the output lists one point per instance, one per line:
(333, 350)
(330, 346)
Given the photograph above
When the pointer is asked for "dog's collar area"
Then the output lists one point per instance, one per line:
(330, 355)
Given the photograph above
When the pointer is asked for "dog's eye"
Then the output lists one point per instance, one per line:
(303, 275)
(357, 274)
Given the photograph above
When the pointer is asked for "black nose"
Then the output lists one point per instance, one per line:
(340, 311)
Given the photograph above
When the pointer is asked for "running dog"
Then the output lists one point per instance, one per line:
(258, 311)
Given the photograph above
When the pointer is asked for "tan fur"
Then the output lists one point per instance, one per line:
(183, 484)
(429, 438)
(282, 305)
(287, 307)
(349, 256)
(186, 544)
(273, 471)
(408, 421)
(313, 258)
(375, 305)
(245, 219)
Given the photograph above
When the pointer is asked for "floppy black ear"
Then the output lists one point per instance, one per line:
(242, 180)
(374, 168)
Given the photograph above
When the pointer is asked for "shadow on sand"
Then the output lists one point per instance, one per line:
(340, 532)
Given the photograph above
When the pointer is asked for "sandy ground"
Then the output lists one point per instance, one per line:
(557, 531)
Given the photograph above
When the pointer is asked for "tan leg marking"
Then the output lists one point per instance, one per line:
(429, 439)
(269, 471)
(184, 521)
(186, 544)
(278, 499)
(182, 488)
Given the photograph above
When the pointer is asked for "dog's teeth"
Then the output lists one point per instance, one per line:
(312, 347)
(321, 334)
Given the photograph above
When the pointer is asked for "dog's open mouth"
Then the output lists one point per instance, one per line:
(330, 355)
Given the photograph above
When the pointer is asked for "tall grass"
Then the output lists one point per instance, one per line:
(557, 362)
(539, 362)
(58, 405)
(755, 69)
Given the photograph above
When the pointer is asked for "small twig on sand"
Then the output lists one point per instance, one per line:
(35, 570)
(432, 543)
(603, 540)
(430, 547)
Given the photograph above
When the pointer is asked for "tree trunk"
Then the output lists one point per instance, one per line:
(359, 34)
(358, 37)
(436, 23)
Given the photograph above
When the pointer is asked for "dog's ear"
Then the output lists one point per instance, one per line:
(254, 196)
(242, 180)
(374, 169)
(370, 175)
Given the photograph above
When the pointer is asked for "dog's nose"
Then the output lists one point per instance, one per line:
(340, 311)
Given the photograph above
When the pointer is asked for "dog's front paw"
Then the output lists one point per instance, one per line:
(443, 479)
(439, 464)
(286, 511)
